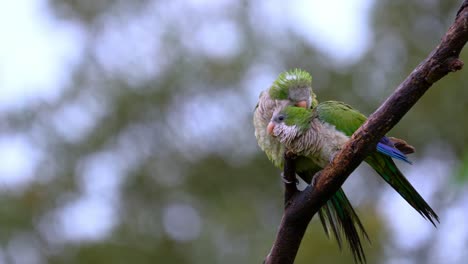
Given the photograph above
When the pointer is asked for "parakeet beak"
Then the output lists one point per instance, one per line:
(302, 104)
(270, 128)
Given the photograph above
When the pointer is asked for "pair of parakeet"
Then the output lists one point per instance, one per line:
(288, 116)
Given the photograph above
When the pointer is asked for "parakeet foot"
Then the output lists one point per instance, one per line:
(286, 181)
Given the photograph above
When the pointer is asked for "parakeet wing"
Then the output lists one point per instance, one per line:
(348, 120)
(342, 116)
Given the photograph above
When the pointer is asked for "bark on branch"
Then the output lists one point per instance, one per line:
(300, 207)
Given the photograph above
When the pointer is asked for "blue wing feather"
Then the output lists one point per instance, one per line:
(386, 147)
(347, 120)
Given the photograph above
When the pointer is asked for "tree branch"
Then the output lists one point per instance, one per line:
(302, 206)
(289, 178)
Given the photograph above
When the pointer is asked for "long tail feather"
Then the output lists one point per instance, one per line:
(387, 169)
(339, 216)
(329, 221)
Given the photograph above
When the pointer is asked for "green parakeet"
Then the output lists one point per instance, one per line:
(318, 133)
(294, 88)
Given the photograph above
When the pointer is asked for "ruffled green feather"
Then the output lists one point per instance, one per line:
(295, 78)
(297, 116)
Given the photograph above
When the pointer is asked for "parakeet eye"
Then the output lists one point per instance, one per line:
(281, 118)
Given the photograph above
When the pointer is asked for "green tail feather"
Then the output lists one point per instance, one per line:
(339, 216)
(329, 222)
(387, 169)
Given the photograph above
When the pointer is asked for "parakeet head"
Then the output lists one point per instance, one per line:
(296, 86)
(291, 121)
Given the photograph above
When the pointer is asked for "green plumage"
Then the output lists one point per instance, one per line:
(342, 116)
(287, 80)
(316, 133)
(337, 215)
(348, 120)
(298, 117)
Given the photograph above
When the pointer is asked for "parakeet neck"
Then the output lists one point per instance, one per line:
(320, 141)
(296, 139)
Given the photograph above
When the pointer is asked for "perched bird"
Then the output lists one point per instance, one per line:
(294, 88)
(319, 133)
(288, 115)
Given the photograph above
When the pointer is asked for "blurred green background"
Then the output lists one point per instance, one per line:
(126, 132)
